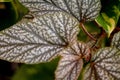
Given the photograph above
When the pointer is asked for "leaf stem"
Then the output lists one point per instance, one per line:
(85, 30)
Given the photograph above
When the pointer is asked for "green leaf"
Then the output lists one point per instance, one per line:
(108, 24)
(6, 0)
(116, 40)
(105, 65)
(71, 64)
(38, 38)
(20, 9)
(109, 16)
(83, 10)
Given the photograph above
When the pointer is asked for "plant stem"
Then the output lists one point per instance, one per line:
(85, 30)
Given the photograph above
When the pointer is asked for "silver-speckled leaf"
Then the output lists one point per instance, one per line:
(105, 65)
(40, 9)
(39, 39)
(83, 10)
(71, 63)
(116, 40)
(31, 1)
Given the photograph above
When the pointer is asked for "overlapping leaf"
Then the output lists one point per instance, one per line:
(38, 39)
(116, 40)
(105, 65)
(40, 9)
(81, 9)
(71, 63)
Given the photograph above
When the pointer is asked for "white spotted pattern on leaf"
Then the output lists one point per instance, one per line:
(81, 9)
(116, 40)
(86, 10)
(39, 39)
(40, 9)
(30, 1)
(71, 63)
(105, 65)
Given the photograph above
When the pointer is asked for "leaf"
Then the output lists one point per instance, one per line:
(6, 0)
(30, 1)
(20, 9)
(40, 8)
(43, 71)
(71, 63)
(108, 24)
(38, 39)
(116, 40)
(109, 16)
(105, 65)
(11, 13)
(86, 10)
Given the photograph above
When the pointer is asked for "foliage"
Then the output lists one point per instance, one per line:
(12, 12)
(50, 28)
(109, 16)
(42, 71)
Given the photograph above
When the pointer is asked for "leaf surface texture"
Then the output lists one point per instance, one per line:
(83, 10)
(37, 38)
(105, 65)
(71, 63)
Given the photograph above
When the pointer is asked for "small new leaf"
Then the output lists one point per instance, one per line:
(116, 40)
(105, 65)
(107, 23)
(71, 63)
(86, 10)
(40, 38)
(109, 16)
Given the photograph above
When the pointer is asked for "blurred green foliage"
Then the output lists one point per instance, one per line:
(43, 71)
(12, 12)
(7, 15)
